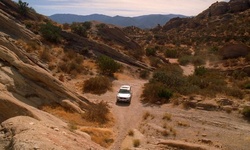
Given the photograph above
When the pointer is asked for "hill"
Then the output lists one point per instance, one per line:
(146, 21)
(189, 77)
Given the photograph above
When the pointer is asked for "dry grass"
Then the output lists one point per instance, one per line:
(136, 142)
(147, 115)
(72, 126)
(45, 54)
(100, 136)
(98, 113)
(183, 124)
(74, 118)
(131, 133)
(167, 116)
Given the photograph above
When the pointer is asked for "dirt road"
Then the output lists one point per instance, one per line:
(215, 129)
(127, 116)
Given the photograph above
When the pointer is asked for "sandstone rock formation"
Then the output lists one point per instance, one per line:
(25, 85)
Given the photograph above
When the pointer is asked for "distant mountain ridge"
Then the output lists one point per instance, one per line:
(145, 21)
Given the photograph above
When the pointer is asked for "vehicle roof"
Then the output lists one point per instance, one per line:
(125, 87)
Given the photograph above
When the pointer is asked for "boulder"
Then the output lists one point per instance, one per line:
(234, 51)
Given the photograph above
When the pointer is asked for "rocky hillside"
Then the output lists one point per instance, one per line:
(27, 85)
(197, 65)
(221, 23)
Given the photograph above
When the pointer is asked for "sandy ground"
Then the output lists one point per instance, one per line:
(215, 129)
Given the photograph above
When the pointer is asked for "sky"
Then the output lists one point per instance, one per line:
(128, 8)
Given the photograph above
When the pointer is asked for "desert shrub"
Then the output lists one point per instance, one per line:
(247, 86)
(136, 142)
(171, 53)
(51, 32)
(97, 113)
(246, 112)
(209, 84)
(150, 52)
(71, 63)
(167, 116)
(200, 71)
(239, 74)
(101, 26)
(184, 60)
(198, 60)
(72, 126)
(235, 92)
(45, 55)
(213, 49)
(146, 115)
(81, 28)
(156, 92)
(66, 26)
(32, 46)
(171, 76)
(23, 7)
(131, 133)
(107, 65)
(71, 67)
(154, 61)
(97, 85)
(144, 74)
(248, 57)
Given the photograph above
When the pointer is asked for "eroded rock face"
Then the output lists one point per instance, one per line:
(238, 5)
(10, 109)
(221, 8)
(28, 133)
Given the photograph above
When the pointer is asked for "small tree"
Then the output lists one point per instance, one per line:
(150, 52)
(81, 28)
(51, 32)
(107, 65)
(23, 7)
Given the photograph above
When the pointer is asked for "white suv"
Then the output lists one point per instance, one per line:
(124, 94)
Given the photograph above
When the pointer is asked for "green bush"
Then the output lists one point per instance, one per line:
(156, 92)
(184, 60)
(170, 76)
(150, 52)
(51, 32)
(198, 60)
(171, 53)
(107, 65)
(235, 92)
(97, 85)
(154, 61)
(23, 7)
(246, 112)
(247, 86)
(81, 28)
(200, 71)
(144, 74)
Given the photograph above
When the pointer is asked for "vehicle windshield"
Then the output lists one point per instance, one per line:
(124, 91)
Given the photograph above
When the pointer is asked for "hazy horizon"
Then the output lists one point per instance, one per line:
(129, 8)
